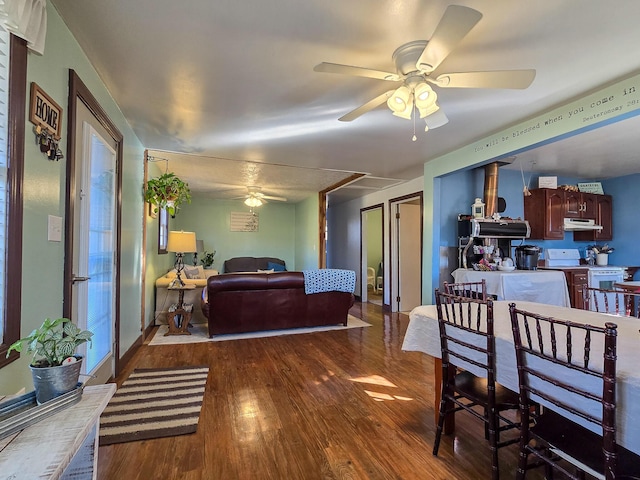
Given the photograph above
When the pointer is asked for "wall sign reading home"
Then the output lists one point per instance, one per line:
(244, 222)
(45, 113)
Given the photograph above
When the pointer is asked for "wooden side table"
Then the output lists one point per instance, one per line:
(62, 446)
(179, 325)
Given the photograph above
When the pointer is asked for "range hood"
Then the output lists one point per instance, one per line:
(580, 225)
(502, 228)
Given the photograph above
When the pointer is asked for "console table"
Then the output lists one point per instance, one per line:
(180, 327)
(62, 446)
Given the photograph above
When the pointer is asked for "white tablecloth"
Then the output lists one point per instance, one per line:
(541, 286)
(422, 336)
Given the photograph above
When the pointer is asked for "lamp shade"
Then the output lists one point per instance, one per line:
(181, 242)
(400, 99)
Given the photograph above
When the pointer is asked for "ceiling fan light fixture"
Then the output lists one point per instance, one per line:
(425, 97)
(425, 112)
(400, 99)
(407, 112)
(253, 202)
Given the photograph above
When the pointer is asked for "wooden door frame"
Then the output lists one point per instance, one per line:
(362, 236)
(78, 91)
(393, 261)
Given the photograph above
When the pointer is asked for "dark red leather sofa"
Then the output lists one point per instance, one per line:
(248, 302)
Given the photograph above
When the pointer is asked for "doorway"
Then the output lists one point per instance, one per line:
(372, 254)
(92, 230)
(406, 252)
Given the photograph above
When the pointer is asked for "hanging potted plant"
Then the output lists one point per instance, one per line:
(55, 366)
(167, 191)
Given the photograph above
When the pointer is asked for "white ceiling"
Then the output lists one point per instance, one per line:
(231, 83)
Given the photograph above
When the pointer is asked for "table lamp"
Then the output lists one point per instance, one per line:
(180, 243)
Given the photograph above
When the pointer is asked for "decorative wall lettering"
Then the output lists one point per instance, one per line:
(46, 116)
(44, 112)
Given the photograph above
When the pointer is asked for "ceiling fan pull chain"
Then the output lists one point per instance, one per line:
(413, 114)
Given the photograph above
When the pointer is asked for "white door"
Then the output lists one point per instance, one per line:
(409, 256)
(94, 243)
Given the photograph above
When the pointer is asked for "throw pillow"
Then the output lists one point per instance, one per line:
(265, 271)
(192, 272)
(276, 267)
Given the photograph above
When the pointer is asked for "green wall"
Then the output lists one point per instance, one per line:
(210, 219)
(43, 195)
(374, 238)
(307, 233)
(156, 264)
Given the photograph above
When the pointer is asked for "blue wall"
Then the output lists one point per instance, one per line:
(459, 190)
(626, 222)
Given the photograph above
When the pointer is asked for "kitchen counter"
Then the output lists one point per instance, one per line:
(541, 286)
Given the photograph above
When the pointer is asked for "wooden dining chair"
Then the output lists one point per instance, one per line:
(467, 289)
(559, 368)
(467, 341)
(614, 301)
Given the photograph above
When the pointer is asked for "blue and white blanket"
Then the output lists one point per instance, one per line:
(329, 280)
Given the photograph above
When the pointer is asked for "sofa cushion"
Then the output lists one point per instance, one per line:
(276, 267)
(194, 272)
(250, 264)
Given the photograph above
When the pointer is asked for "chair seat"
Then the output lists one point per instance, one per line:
(582, 444)
(475, 388)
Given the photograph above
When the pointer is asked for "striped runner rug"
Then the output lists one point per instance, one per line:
(153, 403)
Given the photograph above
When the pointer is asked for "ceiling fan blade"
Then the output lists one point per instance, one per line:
(456, 22)
(277, 199)
(357, 71)
(436, 119)
(496, 79)
(370, 105)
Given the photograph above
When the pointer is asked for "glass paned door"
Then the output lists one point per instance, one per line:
(96, 242)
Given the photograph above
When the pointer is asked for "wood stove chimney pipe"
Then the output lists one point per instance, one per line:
(491, 188)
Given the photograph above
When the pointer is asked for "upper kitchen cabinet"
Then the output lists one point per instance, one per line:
(603, 216)
(547, 208)
(580, 205)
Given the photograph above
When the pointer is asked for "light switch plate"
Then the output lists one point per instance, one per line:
(54, 229)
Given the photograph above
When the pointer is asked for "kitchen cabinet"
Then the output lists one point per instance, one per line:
(580, 205)
(577, 280)
(546, 209)
(604, 217)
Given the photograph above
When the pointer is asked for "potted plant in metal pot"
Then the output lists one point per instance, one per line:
(55, 366)
(167, 191)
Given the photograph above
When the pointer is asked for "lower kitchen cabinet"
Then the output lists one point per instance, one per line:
(577, 280)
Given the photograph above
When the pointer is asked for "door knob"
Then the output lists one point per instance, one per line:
(75, 279)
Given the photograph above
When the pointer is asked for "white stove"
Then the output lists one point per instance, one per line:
(599, 276)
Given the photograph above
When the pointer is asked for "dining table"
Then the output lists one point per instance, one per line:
(628, 286)
(422, 335)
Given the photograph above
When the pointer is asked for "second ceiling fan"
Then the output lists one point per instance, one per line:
(416, 63)
(255, 197)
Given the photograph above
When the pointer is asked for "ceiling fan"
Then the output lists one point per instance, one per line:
(254, 197)
(416, 70)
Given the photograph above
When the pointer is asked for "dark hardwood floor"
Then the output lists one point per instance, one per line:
(346, 404)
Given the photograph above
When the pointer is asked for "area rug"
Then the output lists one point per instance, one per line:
(200, 333)
(153, 403)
